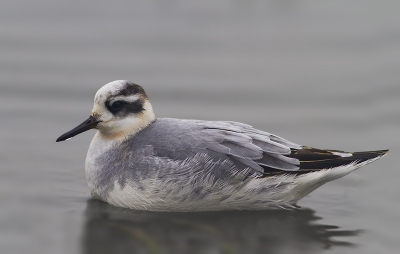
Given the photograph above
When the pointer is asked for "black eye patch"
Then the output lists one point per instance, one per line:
(134, 107)
(122, 108)
(116, 106)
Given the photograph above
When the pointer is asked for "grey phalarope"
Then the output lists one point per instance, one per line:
(138, 161)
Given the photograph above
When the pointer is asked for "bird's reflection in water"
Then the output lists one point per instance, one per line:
(111, 229)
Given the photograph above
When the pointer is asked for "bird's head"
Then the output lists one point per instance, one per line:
(120, 109)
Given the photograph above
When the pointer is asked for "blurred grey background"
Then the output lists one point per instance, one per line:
(319, 73)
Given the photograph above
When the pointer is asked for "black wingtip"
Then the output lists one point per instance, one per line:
(312, 160)
(372, 154)
(316, 159)
(384, 152)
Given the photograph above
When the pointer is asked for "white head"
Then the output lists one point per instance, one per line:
(121, 109)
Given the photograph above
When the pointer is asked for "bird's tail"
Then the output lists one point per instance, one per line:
(321, 166)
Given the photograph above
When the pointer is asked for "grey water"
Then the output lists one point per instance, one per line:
(319, 73)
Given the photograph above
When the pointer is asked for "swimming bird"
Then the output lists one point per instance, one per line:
(138, 161)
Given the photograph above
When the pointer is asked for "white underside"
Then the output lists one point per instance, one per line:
(282, 191)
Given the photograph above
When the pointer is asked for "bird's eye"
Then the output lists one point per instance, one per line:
(117, 105)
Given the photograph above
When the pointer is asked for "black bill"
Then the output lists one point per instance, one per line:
(90, 123)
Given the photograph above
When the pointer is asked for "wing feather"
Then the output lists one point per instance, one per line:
(268, 145)
(277, 163)
(251, 147)
(245, 150)
(248, 149)
(248, 163)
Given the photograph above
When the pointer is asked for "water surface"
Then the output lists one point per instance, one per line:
(323, 74)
